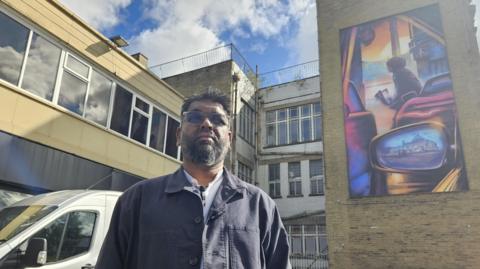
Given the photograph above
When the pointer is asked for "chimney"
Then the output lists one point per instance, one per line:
(142, 59)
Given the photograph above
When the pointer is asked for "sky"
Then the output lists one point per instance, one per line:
(272, 34)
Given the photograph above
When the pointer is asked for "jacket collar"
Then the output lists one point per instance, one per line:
(230, 183)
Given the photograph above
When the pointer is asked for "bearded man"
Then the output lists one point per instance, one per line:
(201, 216)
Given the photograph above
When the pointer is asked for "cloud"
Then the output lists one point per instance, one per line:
(304, 44)
(102, 14)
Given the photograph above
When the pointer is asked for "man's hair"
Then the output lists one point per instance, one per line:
(211, 94)
(396, 63)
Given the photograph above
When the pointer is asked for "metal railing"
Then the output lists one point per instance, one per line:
(201, 60)
(309, 261)
(289, 74)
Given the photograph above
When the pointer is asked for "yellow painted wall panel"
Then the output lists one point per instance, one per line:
(8, 102)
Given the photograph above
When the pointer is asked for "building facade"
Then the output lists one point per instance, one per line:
(76, 110)
(388, 206)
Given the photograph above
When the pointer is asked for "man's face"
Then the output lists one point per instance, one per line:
(204, 134)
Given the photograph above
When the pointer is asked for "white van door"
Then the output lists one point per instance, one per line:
(71, 241)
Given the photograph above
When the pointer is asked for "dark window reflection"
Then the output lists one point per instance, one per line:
(157, 132)
(171, 146)
(139, 127)
(121, 111)
(13, 42)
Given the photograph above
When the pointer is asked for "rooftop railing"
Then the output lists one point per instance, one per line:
(201, 60)
(289, 74)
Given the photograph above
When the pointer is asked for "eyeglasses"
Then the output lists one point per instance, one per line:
(197, 117)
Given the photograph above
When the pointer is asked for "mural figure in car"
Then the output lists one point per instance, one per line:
(401, 124)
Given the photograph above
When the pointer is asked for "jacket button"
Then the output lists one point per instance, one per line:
(198, 220)
(193, 261)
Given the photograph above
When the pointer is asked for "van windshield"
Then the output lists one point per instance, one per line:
(13, 220)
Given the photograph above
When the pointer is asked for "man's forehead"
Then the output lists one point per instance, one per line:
(206, 106)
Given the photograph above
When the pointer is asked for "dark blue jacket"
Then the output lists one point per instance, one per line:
(159, 223)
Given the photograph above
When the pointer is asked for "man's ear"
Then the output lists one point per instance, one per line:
(178, 135)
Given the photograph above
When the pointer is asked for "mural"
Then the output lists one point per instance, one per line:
(400, 115)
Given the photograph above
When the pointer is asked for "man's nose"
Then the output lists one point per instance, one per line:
(206, 123)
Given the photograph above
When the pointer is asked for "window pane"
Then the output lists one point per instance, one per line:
(140, 104)
(306, 110)
(121, 111)
(157, 132)
(13, 42)
(282, 133)
(323, 244)
(282, 114)
(77, 66)
(316, 109)
(274, 172)
(294, 126)
(72, 93)
(171, 147)
(41, 70)
(139, 127)
(293, 170)
(317, 125)
(310, 245)
(78, 234)
(293, 112)
(270, 116)
(98, 100)
(316, 168)
(306, 129)
(53, 234)
(296, 245)
(271, 130)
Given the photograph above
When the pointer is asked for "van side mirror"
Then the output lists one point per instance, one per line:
(36, 253)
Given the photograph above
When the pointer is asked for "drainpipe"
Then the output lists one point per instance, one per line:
(235, 79)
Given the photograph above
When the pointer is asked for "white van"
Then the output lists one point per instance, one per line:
(56, 230)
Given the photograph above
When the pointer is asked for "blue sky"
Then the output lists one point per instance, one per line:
(269, 33)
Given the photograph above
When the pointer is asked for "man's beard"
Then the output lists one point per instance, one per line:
(203, 153)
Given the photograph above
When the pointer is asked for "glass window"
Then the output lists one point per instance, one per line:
(53, 234)
(297, 245)
(310, 245)
(72, 93)
(41, 69)
(306, 129)
(271, 135)
(139, 127)
(77, 66)
(98, 100)
(293, 112)
(140, 104)
(306, 110)
(245, 172)
(13, 42)
(294, 179)
(316, 177)
(78, 234)
(157, 132)
(316, 109)
(282, 114)
(294, 126)
(282, 133)
(270, 116)
(317, 127)
(121, 111)
(274, 180)
(171, 146)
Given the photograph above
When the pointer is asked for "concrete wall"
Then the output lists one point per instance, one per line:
(305, 91)
(25, 115)
(408, 231)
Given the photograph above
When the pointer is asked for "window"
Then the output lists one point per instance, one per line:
(140, 119)
(292, 125)
(41, 68)
(247, 123)
(274, 180)
(121, 111)
(294, 179)
(307, 240)
(74, 85)
(157, 133)
(316, 177)
(98, 100)
(13, 44)
(171, 145)
(245, 172)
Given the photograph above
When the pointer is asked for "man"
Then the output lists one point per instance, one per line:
(201, 216)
